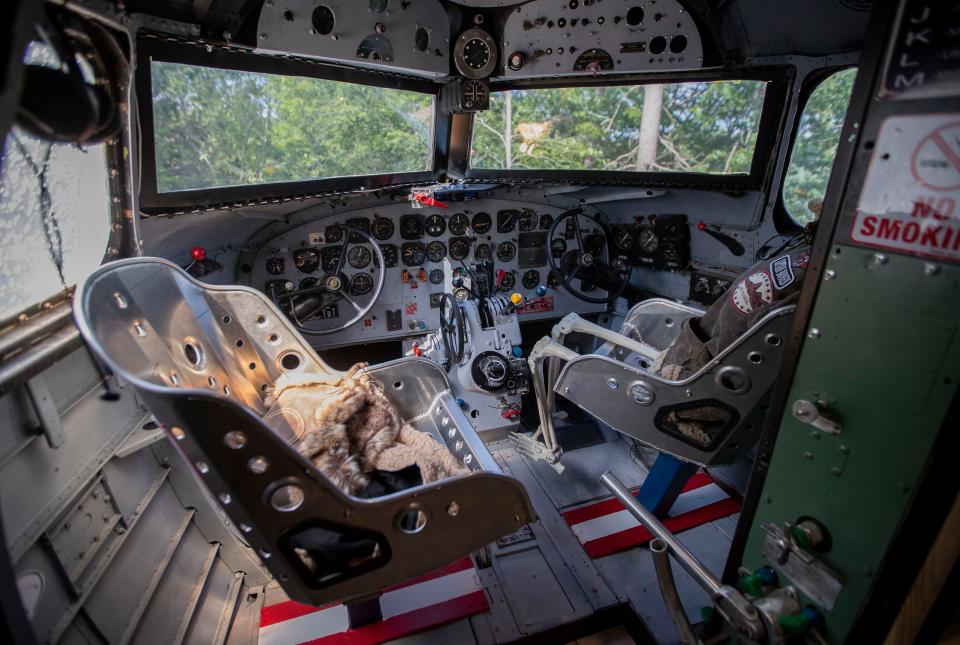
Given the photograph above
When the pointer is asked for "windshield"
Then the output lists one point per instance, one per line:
(216, 127)
(703, 127)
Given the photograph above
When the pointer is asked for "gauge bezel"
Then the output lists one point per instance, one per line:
(475, 33)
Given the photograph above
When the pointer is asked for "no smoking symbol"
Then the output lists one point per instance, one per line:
(935, 163)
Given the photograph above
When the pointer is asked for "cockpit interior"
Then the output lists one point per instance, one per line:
(479, 321)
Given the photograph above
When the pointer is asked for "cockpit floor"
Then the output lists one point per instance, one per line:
(540, 580)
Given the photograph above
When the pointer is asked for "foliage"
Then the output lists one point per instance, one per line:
(816, 144)
(221, 128)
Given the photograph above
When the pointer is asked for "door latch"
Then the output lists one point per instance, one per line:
(808, 412)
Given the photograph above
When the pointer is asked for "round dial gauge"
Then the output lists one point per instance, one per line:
(458, 224)
(382, 228)
(622, 238)
(275, 266)
(558, 247)
(546, 221)
(436, 276)
(461, 294)
(508, 282)
(475, 53)
(359, 257)
(333, 234)
(482, 252)
(481, 223)
(475, 92)
(435, 226)
(361, 284)
(389, 255)
(552, 280)
(459, 248)
(507, 221)
(531, 279)
(306, 260)
(411, 228)
(412, 254)
(647, 240)
(528, 220)
(436, 251)
(330, 257)
(359, 223)
(506, 251)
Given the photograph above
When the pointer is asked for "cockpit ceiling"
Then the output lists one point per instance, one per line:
(499, 39)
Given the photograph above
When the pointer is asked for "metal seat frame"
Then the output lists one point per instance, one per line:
(203, 357)
(615, 384)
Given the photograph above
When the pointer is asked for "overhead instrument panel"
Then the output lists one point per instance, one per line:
(408, 35)
(590, 37)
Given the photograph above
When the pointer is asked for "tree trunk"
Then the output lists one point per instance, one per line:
(649, 135)
(508, 129)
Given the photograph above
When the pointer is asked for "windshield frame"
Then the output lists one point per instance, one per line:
(234, 59)
(773, 112)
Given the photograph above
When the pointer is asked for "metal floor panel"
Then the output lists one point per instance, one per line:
(580, 480)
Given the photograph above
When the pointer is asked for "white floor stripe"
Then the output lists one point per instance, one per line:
(606, 525)
(304, 628)
(393, 603)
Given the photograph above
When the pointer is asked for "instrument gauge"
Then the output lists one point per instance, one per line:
(461, 294)
(330, 257)
(459, 248)
(558, 247)
(481, 223)
(306, 260)
(275, 266)
(482, 252)
(531, 279)
(361, 284)
(411, 228)
(412, 254)
(359, 257)
(361, 224)
(506, 251)
(546, 221)
(333, 234)
(458, 224)
(593, 244)
(382, 228)
(390, 255)
(647, 240)
(475, 53)
(507, 221)
(622, 238)
(436, 276)
(553, 281)
(436, 251)
(508, 282)
(528, 220)
(435, 225)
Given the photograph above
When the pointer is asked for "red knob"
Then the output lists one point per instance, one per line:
(198, 253)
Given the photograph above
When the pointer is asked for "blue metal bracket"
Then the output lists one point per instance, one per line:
(663, 485)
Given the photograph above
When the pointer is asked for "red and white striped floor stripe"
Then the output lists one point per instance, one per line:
(436, 598)
(605, 527)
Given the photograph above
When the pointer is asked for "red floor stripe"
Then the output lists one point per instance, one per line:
(613, 505)
(639, 536)
(411, 622)
(289, 609)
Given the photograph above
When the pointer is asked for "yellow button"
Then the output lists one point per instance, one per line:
(516, 298)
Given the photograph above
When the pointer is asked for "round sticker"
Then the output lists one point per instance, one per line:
(935, 162)
(753, 292)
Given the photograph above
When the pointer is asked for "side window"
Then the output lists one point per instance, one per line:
(54, 212)
(816, 146)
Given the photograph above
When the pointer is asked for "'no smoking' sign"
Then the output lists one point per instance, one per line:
(935, 163)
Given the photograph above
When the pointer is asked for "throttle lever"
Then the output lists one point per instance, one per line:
(732, 244)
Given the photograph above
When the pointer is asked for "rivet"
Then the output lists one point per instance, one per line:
(263, 36)
(880, 258)
(808, 455)
(830, 275)
(814, 333)
(835, 471)
(931, 269)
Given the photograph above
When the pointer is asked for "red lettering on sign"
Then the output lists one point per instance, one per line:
(943, 209)
(889, 228)
(869, 226)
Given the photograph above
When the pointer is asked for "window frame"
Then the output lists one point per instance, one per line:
(783, 220)
(152, 201)
(779, 81)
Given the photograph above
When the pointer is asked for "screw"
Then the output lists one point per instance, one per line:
(263, 36)
(931, 269)
(880, 258)
(612, 383)
(814, 333)
(830, 275)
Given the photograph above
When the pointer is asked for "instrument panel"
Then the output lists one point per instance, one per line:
(414, 244)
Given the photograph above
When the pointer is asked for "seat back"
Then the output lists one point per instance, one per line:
(203, 357)
(731, 391)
